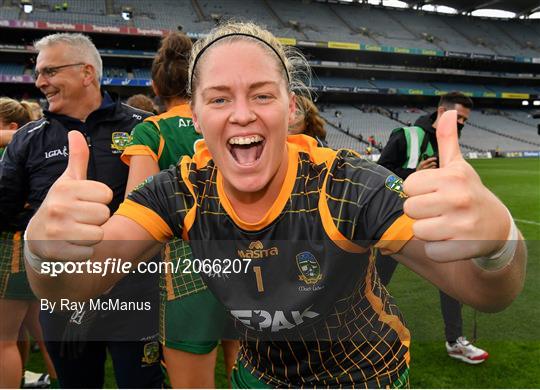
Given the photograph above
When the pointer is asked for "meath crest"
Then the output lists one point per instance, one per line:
(395, 184)
(120, 140)
(309, 268)
(151, 353)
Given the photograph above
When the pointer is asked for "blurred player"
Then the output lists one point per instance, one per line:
(412, 149)
(189, 311)
(307, 302)
(308, 121)
(18, 305)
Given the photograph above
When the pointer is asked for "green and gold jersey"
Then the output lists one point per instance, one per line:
(308, 306)
(167, 138)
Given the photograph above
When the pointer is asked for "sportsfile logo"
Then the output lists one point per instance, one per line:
(256, 251)
(278, 320)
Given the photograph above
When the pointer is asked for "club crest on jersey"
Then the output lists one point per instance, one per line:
(141, 185)
(151, 353)
(256, 250)
(394, 183)
(120, 140)
(309, 268)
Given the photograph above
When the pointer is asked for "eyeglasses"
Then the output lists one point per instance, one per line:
(51, 71)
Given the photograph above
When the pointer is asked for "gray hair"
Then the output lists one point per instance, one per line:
(81, 45)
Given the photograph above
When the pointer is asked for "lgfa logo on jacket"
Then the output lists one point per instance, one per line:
(309, 268)
(57, 152)
(120, 140)
(394, 183)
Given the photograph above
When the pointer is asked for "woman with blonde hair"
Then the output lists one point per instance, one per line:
(290, 229)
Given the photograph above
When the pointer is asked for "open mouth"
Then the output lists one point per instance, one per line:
(246, 150)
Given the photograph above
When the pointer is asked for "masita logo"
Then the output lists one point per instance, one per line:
(256, 251)
(278, 320)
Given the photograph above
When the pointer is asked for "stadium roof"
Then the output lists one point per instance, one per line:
(520, 7)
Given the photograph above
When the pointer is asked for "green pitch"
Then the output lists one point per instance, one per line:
(511, 337)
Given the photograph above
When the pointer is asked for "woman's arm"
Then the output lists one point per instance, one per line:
(140, 167)
(488, 291)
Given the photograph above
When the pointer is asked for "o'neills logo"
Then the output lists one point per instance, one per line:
(256, 251)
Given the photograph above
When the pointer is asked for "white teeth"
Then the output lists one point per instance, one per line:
(245, 140)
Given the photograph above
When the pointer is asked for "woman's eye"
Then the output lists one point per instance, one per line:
(263, 97)
(217, 100)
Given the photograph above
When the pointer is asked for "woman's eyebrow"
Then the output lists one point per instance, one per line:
(225, 88)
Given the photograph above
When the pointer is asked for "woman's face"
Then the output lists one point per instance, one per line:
(243, 109)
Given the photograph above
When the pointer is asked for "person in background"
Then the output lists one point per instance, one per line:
(189, 311)
(36, 111)
(19, 308)
(142, 102)
(412, 149)
(13, 114)
(68, 72)
(308, 121)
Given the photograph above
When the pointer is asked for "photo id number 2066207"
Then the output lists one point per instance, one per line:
(215, 266)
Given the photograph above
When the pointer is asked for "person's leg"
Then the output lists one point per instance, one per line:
(83, 369)
(23, 344)
(230, 353)
(457, 346)
(12, 313)
(190, 370)
(136, 364)
(386, 266)
(192, 328)
(451, 312)
(31, 322)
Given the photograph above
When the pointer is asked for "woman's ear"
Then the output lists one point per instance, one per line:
(12, 126)
(292, 108)
(196, 121)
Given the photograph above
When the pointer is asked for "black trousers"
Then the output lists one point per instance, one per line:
(130, 337)
(450, 308)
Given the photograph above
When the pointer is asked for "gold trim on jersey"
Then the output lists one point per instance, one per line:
(189, 218)
(148, 219)
(391, 320)
(137, 150)
(397, 235)
(278, 205)
(182, 110)
(16, 254)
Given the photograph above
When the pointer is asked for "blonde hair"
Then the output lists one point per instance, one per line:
(295, 69)
(34, 108)
(13, 111)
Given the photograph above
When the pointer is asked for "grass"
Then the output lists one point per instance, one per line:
(512, 337)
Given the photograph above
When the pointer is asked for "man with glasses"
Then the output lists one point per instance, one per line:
(410, 149)
(68, 72)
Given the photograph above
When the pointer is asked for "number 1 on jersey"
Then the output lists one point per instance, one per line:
(258, 277)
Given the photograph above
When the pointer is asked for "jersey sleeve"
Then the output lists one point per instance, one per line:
(145, 141)
(159, 204)
(374, 199)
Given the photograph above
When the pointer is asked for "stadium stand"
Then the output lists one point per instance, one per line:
(11, 69)
(326, 22)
